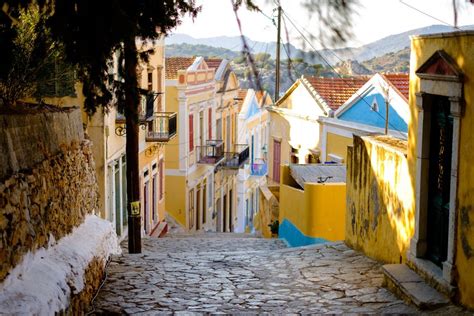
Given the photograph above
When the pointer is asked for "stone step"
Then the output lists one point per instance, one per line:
(408, 285)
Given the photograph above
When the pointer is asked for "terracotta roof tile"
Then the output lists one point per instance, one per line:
(336, 91)
(213, 62)
(399, 81)
(173, 64)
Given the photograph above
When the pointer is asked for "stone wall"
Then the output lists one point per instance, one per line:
(379, 217)
(47, 181)
(30, 137)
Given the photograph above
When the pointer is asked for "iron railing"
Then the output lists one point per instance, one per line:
(162, 127)
(212, 153)
(237, 158)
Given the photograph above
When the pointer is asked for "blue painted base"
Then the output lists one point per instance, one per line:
(294, 238)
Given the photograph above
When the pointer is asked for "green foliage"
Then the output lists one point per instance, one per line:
(189, 50)
(391, 62)
(36, 65)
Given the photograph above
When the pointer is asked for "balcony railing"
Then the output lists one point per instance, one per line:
(162, 127)
(258, 168)
(237, 158)
(212, 153)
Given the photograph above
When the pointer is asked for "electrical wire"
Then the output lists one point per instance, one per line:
(427, 14)
(336, 72)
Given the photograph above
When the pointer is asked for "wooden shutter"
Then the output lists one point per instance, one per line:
(191, 132)
(210, 123)
(161, 177)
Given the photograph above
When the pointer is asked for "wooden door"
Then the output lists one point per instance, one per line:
(441, 139)
(219, 216)
(198, 209)
(224, 213)
(276, 160)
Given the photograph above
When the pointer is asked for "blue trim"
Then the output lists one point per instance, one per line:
(294, 238)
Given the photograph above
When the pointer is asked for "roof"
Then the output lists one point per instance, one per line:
(336, 91)
(315, 173)
(399, 81)
(173, 64)
(240, 98)
(213, 62)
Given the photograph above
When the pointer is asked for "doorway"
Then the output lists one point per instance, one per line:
(276, 160)
(219, 216)
(231, 221)
(224, 213)
(198, 209)
(441, 139)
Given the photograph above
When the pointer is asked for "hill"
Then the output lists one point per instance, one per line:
(189, 50)
(391, 62)
(392, 43)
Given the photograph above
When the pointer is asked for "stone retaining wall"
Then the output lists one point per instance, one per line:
(47, 179)
(49, 199)
(34, 136)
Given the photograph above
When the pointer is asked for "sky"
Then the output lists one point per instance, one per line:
(375, 19)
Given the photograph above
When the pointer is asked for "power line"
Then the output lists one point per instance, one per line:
(427, 14)
(335, 71)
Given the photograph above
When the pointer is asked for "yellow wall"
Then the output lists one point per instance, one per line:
(379, 216)
(176, 195)
(317, 211)
(461, 49)
(337, 145)
(172, 147)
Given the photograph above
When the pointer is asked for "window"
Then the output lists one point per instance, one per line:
(191, 132)
(161, 178)
(294, 155)
(374, 106)
(150, 81)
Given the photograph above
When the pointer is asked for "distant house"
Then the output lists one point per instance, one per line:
(295, 129)
(365, 113)
(252, 127)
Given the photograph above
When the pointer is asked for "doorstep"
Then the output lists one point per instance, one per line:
(408, 285)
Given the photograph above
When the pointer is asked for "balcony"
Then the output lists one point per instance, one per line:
(236, 159)
(210, 154)
(258, 168)
(162, 127)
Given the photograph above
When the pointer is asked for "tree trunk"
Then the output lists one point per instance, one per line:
(131, 117)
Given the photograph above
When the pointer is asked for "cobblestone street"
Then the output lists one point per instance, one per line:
(231, 273)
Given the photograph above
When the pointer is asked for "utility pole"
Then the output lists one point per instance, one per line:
(387, 101)
(277, 62)
(131, 147)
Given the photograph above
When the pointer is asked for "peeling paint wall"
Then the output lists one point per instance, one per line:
(379, 215)
(461, 49)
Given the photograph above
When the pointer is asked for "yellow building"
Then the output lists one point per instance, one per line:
(192, 157)
(158, 128)
(295, 130)
(425, 206)
(312, 204)
(225, 178)
(440, 159)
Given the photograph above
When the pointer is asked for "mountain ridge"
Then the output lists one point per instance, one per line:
(388, 44)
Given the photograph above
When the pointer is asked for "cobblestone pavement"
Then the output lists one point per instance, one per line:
(236, 273)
